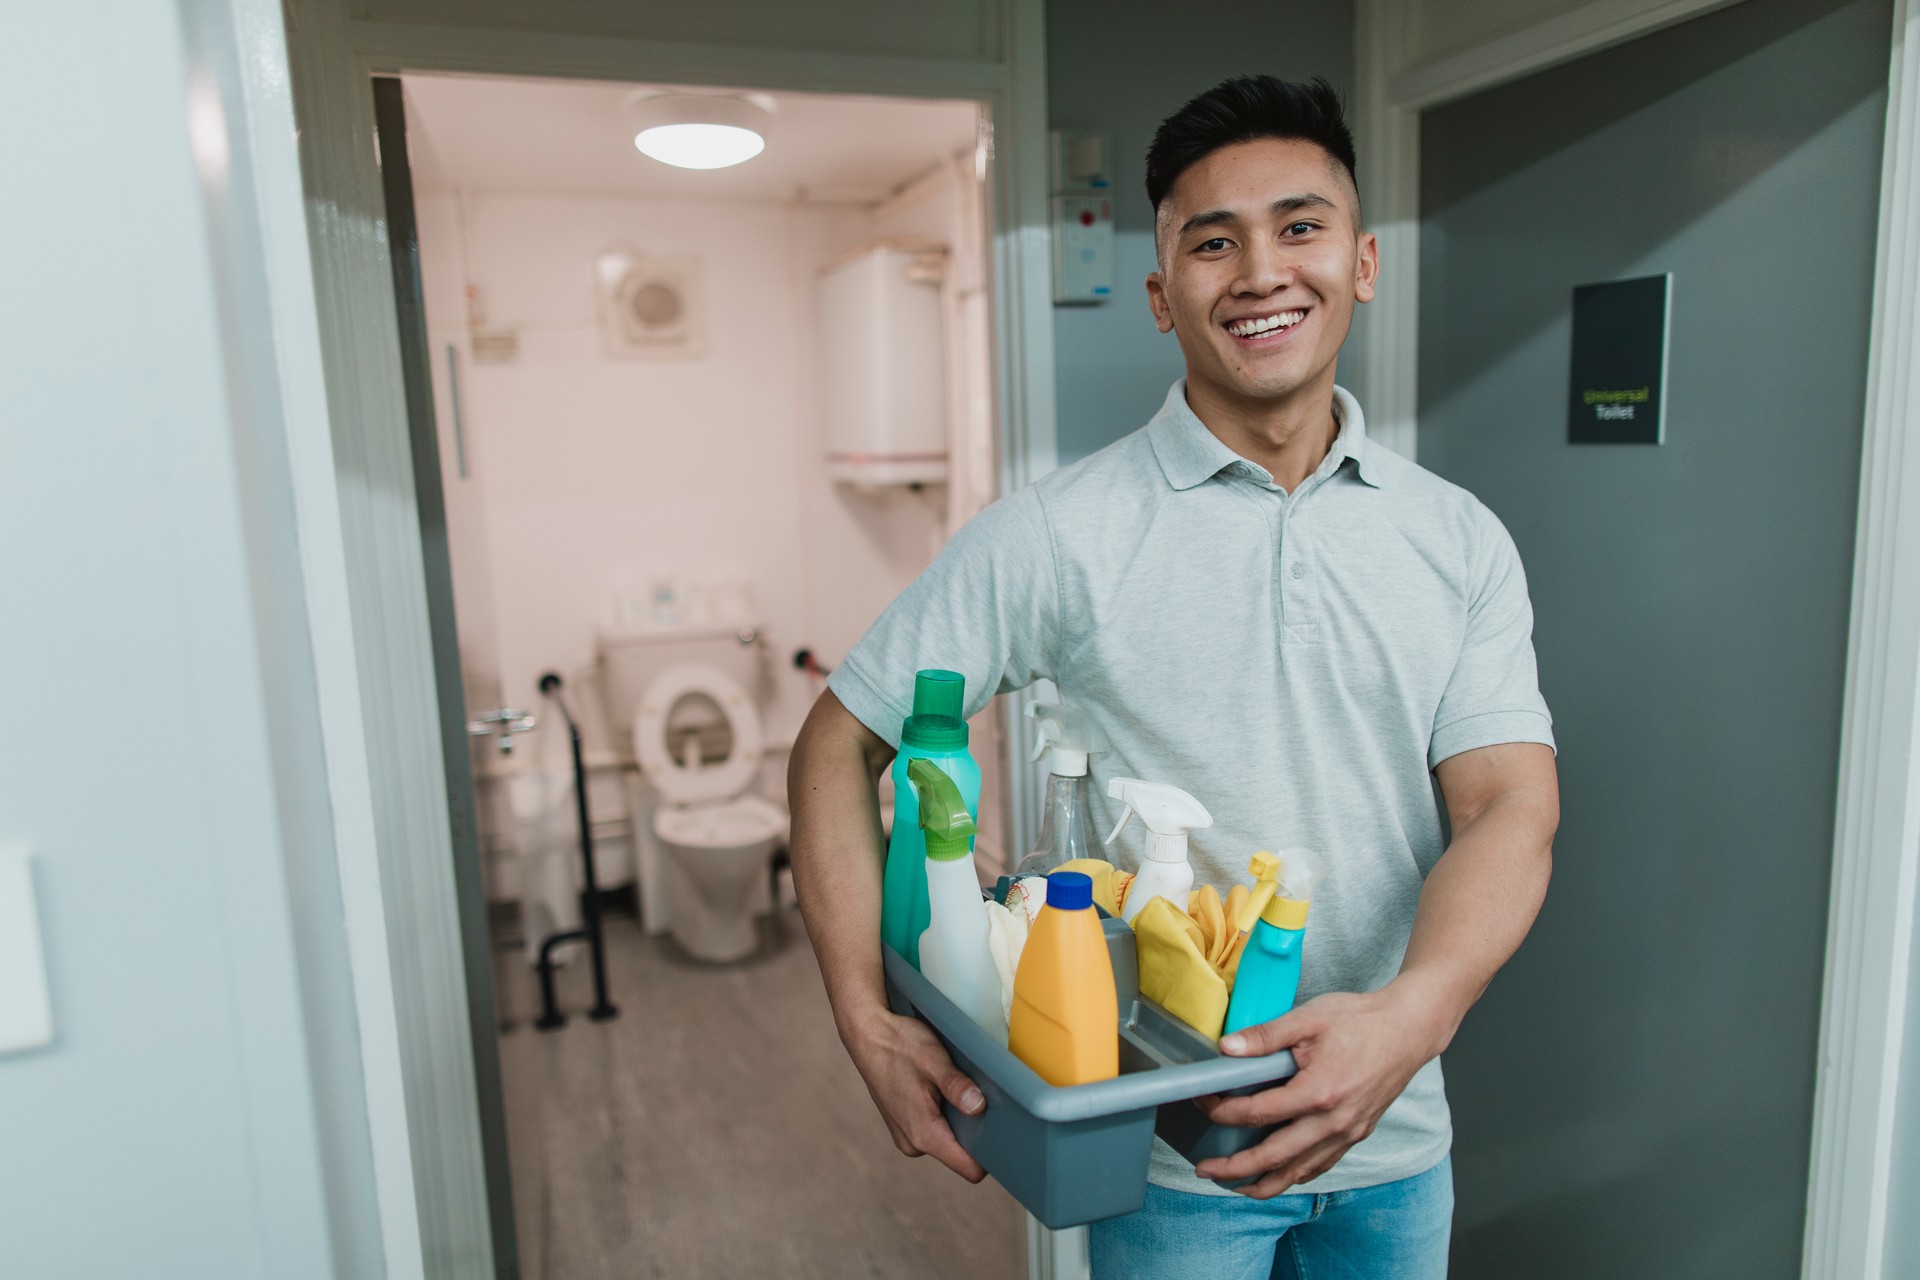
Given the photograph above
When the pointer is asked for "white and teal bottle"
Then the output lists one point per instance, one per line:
(1066, 738)
(935, 731)
(954, 953)
(1268, 979)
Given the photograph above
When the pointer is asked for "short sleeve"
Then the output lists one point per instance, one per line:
(1493, 695)
(986, 607)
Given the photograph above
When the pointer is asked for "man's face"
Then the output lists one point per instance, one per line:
(1261, 262)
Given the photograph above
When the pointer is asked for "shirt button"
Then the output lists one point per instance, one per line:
(1299, 570)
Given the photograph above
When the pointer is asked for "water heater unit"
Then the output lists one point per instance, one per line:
(883, 365)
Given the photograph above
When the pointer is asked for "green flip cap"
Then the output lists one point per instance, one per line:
(943, 814)
(939, 693)
(936, 724)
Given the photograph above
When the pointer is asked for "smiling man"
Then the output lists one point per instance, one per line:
(1303, 629)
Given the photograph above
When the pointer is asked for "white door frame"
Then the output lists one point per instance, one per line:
(1876, 856)
(435, 1177)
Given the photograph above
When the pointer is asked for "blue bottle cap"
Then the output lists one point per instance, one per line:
(1070, 890)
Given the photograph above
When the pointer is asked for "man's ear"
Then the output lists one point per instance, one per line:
(1367, 268)
(1157, 302)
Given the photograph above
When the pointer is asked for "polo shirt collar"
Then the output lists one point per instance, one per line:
(1189, 454)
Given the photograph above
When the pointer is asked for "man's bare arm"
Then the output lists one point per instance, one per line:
(838, 861)
(1356, 1052)
(1484, 893)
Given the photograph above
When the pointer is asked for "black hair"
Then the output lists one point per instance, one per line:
(1243, 109)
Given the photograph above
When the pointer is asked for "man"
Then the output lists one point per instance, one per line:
(1296, 625)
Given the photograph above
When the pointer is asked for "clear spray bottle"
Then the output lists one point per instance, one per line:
(1066, 738)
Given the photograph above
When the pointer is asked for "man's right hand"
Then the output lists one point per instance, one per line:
(908, 1072)
(837, 854)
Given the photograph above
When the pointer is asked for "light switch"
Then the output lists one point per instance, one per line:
(26, 1015)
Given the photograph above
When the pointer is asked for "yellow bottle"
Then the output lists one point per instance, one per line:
(1066, 1015)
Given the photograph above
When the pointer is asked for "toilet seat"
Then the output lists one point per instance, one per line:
(707, 807)
(675, 783)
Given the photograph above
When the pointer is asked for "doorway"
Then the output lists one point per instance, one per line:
(1691, 603)
(629, 460)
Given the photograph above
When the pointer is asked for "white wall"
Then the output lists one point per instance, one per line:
(199, 1112)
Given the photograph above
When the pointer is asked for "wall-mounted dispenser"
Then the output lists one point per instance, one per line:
(1082, 219)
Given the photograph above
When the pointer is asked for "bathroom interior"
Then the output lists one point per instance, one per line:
(697, 427)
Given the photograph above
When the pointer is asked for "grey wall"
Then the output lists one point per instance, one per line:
(199, 1112)
(1119, 67)
(1634, 1095)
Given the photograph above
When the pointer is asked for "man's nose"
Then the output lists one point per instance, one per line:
(1264, 269)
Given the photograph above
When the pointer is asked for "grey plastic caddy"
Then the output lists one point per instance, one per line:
(1079, 1153)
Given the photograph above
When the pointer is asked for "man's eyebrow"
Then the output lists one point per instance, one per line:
(1283, 206)
(1305, 200)
(1212, 217)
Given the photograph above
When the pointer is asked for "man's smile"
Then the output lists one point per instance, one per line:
(1266, 329)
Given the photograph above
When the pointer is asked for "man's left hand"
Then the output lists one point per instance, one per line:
(1355, 1053)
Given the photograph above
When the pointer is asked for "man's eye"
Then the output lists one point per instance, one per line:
(1215, 244)
(1300, 228)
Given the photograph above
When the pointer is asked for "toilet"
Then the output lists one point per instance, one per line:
(715, 835)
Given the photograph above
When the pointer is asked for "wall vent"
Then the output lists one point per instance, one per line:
(649, 305)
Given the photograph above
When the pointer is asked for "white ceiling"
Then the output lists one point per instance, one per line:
(525, 136)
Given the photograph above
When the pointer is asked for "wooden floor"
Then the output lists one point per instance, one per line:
(717, 1129)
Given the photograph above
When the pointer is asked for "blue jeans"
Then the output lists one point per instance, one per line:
(1395, 1231)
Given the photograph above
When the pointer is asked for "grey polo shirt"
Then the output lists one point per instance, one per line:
(1299, 662)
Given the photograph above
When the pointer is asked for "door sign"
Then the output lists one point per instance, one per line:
(1619, 384)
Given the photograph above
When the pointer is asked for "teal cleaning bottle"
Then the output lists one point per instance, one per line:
(1269, 974)
(936, 732)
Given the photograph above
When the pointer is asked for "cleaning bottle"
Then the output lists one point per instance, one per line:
(1066, 738)
(1065, 1022)
(1269, 974)
(954, 951)
(935, 731)
(1169, 814)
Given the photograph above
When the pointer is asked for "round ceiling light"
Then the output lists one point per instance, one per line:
(700, 130)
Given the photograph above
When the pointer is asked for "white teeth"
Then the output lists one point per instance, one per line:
(1266, 324)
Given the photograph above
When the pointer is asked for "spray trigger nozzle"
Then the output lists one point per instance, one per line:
(1168, 812)
(1126, 816)
(944, 820)
(1284, 883)
(1068, 733)
(1265, 869)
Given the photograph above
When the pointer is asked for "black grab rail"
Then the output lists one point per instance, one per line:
(551, 1018)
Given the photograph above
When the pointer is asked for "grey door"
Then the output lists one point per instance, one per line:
(1634, 1095)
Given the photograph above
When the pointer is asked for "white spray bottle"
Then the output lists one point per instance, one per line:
(1169, 813)
(1066, 738)
(955, 953)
